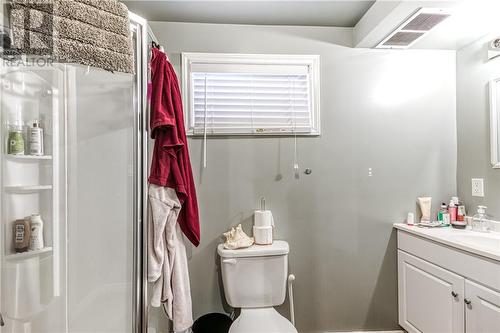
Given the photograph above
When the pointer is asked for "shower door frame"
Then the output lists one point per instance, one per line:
(139, 26)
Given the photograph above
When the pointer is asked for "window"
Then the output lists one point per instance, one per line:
(242, 94)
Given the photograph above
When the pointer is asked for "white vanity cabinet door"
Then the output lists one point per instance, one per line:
(482, 314)
(430, 297)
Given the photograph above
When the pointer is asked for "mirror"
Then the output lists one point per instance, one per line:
(494, 122)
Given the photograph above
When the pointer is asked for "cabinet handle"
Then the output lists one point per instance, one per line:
(468, 302)
(454, 294)
(2, 323)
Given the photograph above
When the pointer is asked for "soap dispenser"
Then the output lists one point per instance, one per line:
(480, 220)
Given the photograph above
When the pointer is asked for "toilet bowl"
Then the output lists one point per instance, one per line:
(261, 320)
(254, 280)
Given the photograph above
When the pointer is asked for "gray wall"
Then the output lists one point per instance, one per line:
(392, 111)
(473, 126)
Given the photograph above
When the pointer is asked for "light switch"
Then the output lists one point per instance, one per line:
(477, 187)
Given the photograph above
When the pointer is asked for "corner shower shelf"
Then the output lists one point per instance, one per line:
(31, 183)
(27, 189)
(28, 158)
(28, 254)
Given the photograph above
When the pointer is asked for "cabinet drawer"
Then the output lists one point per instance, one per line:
(480, 269)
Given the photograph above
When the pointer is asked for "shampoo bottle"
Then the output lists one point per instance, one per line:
(16, 140)
(36, 237)
(35, 139)
(21, 235)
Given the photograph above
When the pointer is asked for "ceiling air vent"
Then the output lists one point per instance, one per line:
(413, 28)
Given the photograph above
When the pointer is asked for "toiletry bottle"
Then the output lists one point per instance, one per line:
(425, 207)
(16, 140)
(410, 219)
(21, 235)
(443, 214)
(461, 212)
(36, 238)
(452, 209)
(459, 221)
(440, 212)
(480, 220)
(35, 139)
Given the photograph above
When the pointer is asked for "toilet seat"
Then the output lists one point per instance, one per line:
(261, 320)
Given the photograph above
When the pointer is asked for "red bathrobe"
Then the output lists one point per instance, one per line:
(171, 166)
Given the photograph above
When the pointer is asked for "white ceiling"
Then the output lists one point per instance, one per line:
(469, 21)
(338, 13)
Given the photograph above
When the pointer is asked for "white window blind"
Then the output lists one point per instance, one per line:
(255, 95)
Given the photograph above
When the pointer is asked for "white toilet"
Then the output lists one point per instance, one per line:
(255, 280)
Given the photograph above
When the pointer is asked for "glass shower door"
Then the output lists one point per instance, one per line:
(106, 152)
(84, 188)
(87, 186)
(100, 195)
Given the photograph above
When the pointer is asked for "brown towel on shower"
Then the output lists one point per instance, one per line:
(88, 32)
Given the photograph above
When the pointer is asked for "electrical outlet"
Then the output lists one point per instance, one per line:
(477, 187)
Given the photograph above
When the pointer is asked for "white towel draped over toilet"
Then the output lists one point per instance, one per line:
(167, 260)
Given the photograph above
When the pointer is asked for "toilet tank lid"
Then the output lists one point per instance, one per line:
(277, 248)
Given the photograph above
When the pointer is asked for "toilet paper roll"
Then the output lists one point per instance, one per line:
(263, 235)
(263, 218)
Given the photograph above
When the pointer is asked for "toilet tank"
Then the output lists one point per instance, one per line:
(256, 276)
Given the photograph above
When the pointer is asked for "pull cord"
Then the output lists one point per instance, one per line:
(205, 128)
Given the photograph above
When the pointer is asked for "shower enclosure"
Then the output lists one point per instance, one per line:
(87, 187)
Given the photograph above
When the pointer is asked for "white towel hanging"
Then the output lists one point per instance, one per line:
(295, 156)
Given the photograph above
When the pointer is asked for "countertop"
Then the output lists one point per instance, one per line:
(483, 244)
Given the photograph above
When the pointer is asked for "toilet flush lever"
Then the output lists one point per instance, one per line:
(229, 261)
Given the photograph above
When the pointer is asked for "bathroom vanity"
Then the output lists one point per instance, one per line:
(448, 280)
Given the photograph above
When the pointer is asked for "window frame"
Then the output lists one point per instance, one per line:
(313, 61)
